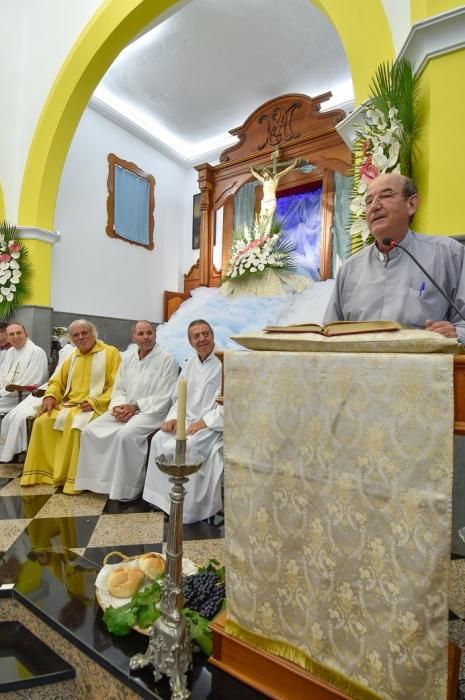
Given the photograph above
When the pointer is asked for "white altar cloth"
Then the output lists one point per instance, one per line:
(338, 477)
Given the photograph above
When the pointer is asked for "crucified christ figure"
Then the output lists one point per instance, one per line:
(270, 182)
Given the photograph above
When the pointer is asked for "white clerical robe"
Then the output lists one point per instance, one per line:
(113, 454)
(26, 367)
(203, 497)
(13, 436)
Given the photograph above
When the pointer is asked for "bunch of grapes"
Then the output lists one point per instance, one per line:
(204, 593)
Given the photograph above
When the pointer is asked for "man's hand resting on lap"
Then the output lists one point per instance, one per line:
(195, 427)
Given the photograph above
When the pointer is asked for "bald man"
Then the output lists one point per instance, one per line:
(381, 282)
(114, 447)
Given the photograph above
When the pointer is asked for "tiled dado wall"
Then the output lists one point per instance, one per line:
(92, 681)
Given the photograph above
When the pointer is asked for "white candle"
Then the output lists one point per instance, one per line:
(181, 413)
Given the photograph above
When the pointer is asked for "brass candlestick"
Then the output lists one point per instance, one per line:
(170, 647)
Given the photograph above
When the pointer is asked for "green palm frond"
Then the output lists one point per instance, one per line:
(394, 86)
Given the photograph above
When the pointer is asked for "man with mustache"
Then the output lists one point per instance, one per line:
(382, 282)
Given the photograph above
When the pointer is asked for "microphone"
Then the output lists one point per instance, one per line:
(389, 242)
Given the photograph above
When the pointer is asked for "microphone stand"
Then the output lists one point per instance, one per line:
(393, 244)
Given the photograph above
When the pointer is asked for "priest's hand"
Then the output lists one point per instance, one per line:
(124, 412)
(48, 404)
(443, 327)
(86, 407)
(195, 427)
(169, 426)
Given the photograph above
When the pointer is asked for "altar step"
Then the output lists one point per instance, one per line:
(279, 679)
(26, 662)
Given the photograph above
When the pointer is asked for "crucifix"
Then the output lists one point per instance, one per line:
(269, 177)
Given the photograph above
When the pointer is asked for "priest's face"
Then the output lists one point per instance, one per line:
(83, 338)
(144, 337)
(16, 335)
(389, 209)
(202, 339)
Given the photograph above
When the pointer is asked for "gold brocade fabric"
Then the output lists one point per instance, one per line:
(338, 477)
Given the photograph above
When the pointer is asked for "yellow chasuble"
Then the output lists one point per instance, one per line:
(54, 448)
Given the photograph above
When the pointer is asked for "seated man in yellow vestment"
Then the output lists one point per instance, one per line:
(78, 392)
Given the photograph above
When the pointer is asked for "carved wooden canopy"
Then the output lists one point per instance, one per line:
(293, 123)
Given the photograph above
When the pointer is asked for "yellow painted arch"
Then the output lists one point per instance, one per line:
(108, 32)
(365, 35)
(112, 27)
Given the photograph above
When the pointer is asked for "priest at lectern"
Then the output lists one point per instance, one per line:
(383, 282)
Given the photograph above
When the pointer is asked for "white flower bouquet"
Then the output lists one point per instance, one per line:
(258, 249)
(15, 270)
(385, 140)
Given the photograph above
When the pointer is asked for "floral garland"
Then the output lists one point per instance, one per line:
(15, 270)
(386, 139)
(259, 249)
(381, 140)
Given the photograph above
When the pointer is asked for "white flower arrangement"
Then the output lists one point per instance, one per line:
(386, 139)
(258, 249)
(15, 269)
(381, 142)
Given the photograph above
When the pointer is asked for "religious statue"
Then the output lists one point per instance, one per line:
(270, 180)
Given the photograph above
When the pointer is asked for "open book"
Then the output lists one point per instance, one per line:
(337, 327)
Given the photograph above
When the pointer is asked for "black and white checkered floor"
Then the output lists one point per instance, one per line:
(53, 545)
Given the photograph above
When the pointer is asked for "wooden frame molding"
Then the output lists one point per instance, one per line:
(113, 161)
(295, 124)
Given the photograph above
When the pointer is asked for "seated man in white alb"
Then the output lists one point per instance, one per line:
(204, 433)
(25, 364)
(13, 436)
(113, 446)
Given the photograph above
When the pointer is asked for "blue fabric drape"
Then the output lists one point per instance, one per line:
(244, 206)
(341, 234)
(301, 218)
(131, 212)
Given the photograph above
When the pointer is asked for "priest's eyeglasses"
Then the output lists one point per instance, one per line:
(383, 196)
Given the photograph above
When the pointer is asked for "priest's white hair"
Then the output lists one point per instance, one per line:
(83, 322)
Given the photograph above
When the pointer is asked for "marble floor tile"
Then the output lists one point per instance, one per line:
(14, 488)
(200, 551)
(10, 531)
(457, 587)
(4, 480)
(57, 533)
(11, 470)
(128, 528)
(457, 636)
(17, 507)
(62, 505)
(78, 550)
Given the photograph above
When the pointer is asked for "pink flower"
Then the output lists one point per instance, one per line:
(368, 170)
(14, 247)
(5, 257)
(366, 147)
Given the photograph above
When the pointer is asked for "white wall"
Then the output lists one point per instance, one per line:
(35, 37)
(95, 274)
(398, 16)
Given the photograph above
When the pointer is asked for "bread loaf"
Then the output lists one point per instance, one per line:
(152, 565)
(124, 582)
